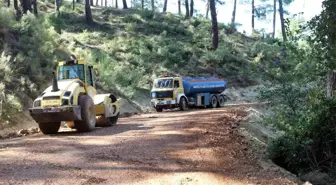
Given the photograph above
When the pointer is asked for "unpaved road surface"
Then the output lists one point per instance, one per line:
(197, 147)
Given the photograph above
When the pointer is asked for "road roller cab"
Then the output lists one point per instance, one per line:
(73, 98)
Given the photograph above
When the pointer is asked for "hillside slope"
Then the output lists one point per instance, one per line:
(130, 47)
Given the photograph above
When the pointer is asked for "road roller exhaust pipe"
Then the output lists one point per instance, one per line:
(54, 83)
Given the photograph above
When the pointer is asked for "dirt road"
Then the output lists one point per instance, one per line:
(195, 147)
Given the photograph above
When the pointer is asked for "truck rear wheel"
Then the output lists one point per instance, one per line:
(221, 101)
(88, 113)
(214, 102)
(49, 128)
(183, 104)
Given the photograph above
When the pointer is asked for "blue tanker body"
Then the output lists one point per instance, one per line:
(195, 85)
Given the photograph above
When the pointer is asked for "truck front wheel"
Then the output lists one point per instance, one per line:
(158, 109)
(49, 128)
(88, 113)
(183, 104)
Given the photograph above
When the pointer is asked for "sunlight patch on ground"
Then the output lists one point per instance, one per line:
(189, 178)
(172, 132)
(97, 141)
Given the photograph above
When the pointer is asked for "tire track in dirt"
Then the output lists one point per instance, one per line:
(190, 147)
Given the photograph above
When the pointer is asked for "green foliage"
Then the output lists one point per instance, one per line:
(299, 102)
(132, 18)
(311, 143)
(323, 27)
(9, 103)
(287, 152)
(27, 59)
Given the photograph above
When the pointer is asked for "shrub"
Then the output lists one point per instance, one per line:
(130, 27)
(146, 14)
(311, 143)
(132, 18)
(9, 103)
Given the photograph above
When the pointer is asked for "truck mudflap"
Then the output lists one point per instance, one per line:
(55, 114)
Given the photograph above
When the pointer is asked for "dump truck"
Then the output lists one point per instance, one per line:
(73, 98)
(185, 92)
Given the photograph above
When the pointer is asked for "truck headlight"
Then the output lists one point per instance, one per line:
(153, 95)
(37, 103)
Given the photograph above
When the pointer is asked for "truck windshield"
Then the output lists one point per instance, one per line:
(163, 83)
(71, 72)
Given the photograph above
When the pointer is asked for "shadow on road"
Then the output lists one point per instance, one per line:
(138, 149)
(103, 131)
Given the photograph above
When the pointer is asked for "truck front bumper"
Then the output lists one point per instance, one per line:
(55, 114)
(163, 103)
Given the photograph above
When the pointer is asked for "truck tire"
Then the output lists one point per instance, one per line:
(158, 109)
(110, 121)
(183, 104)
(221, 101)
(213, 102)
(88, 113)
(49, 128)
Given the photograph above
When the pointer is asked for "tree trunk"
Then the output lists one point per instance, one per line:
(26, 5)
(116, 3)
(58, 4)
(191, 8)
(207, 9)
(214, 24)
(283, 29)
(331, 83)
(91, 3)
(153, 5)
(97, 2)
(16, 5)
(124, 4)
(34, 3)
(73, 4)
(274, 18)
(165, 6)
(57, 7)
(101, 2)
(18, 10)
(253, 15)
(105, 3)
(8, 3)
(142, 4)
(179, 7)
(187, 8)
(233, 20)
(88, 14)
